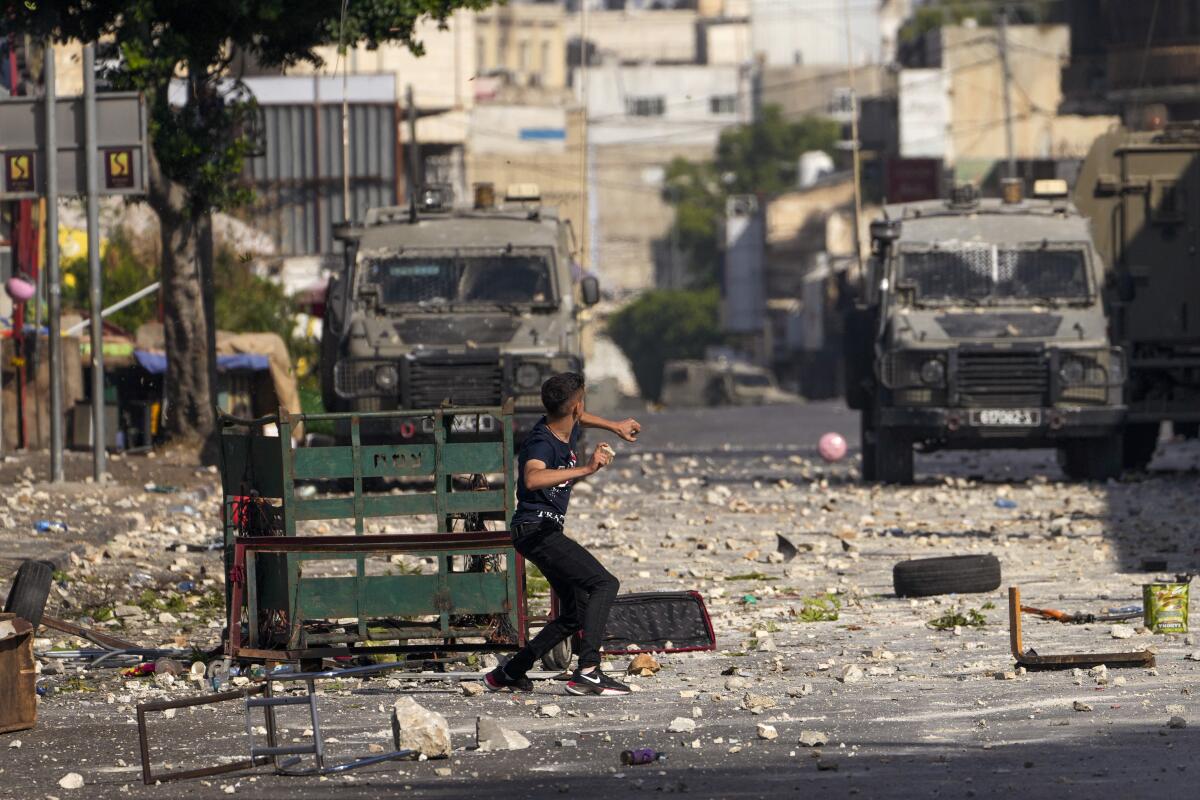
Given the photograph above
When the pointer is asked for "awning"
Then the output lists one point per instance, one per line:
(156, 363)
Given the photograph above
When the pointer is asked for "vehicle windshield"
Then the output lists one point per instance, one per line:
(507, 279)
(987, 273)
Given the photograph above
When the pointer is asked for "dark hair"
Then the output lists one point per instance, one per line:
(559, 390)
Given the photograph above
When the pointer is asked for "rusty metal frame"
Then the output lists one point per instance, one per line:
(149, 777)
(246, 548)
(1030, 659)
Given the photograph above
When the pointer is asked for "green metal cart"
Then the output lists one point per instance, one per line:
(470, 594)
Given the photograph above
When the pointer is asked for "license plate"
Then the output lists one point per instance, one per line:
(1007, 417)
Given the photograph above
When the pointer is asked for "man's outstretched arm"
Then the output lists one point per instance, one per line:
(627, 429)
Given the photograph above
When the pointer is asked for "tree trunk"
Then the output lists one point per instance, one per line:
(189, 409)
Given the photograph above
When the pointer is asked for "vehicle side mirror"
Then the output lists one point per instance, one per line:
(589, 287)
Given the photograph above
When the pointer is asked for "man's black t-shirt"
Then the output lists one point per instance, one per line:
(550, 503)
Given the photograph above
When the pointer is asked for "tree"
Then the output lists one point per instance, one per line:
(198, 146)
(761, 158)
(662, 325)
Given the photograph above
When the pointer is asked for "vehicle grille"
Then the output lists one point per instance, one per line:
(1001, 379)
(462, 382)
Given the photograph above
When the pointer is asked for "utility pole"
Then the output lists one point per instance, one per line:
(854, 141)
(414, 155)
(94, 275)
(54, 277)
(1008, 120)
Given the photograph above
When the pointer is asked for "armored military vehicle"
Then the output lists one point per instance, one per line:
(469, 307)
(1142, 193)
(982, 327)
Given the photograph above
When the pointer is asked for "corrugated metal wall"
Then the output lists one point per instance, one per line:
(298, 179)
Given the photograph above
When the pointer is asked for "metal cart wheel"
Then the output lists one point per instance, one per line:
(559, 658)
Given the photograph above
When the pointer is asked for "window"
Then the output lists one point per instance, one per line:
(645, 106)
(481, 54)
(722, 104)
(545, 65)
(523, 57)
(989, 274)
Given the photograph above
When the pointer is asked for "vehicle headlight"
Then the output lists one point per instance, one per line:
(387, 377)
(933, 372)
(528, 376)
(1072, 372)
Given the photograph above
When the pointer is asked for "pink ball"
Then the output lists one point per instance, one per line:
(832, 447)
(19, 289)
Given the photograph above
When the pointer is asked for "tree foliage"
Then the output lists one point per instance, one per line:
(245, 301)
(761, 158)
(662, 325)
(181, 55)
(937, 13)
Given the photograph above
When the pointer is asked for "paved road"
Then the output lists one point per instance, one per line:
(697, 505)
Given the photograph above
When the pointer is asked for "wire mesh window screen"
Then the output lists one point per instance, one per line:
(985, 272)
(962, 273)
(1041, 273)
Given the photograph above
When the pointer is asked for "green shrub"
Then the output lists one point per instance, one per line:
(662, 325)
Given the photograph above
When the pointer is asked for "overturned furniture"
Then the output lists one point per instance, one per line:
(280, 611)
(1032, 660)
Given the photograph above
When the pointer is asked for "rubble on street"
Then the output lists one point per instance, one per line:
(821, 674)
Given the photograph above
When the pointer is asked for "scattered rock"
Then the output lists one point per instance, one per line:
(813, 738)
(1122, 631)
(72, 780)
(644, 665)
(1177, 723)
(548, 710)
(471, 689)
(444, 772)
(15, 744)
(1006, 675)
(851, 673)
(734, 683)
(803, 690)
(682, 725)
(1193, 656)
(767, 731)
(419, 729)
(490, 735)
(127, 612)
(757, 702)
(1079, 705)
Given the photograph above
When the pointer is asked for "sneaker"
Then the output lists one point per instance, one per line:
(595, 682)
(498, 681)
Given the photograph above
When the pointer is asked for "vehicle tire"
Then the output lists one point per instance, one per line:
(1140, 442)
(1095, 459)
(30, 588)
(1187, 430)
(866, 437)
(925, 577)
(893, 457)
(559, 657)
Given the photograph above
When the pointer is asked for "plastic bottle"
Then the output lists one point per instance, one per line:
(48, 526)
(642, 755)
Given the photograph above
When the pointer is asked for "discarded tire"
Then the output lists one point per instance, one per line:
(946, 575)
(30, 588)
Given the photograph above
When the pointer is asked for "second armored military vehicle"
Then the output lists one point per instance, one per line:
(982, 326)
(1141, 191)
(463, 307)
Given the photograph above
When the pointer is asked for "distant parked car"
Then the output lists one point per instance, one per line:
(720, 383)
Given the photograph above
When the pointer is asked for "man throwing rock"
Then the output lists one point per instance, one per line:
(547, 469)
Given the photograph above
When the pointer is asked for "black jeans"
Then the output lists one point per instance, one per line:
(585, 592)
